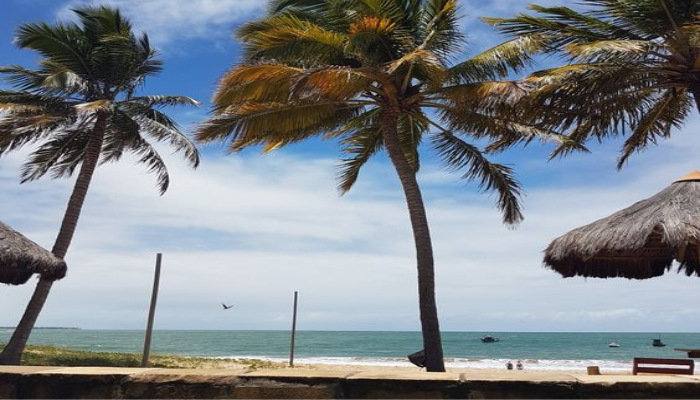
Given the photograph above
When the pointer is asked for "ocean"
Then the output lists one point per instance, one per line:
(538, 351)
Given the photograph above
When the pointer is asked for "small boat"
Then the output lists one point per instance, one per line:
(613, 344)
(658, 343)
(489, 339)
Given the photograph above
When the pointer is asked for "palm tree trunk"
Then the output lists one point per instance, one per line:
(12, 352)
(424, 248)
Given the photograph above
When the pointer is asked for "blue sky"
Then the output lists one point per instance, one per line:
(250, 229)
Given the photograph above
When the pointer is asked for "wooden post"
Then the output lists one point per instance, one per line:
(151, 313)
(294, 330)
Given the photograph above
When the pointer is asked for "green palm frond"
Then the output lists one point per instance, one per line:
(61, 154)
(154, 162)
(440, 27)
(656, 123)
(169, 134)
(88, 68)
(122, 131)
(363, 139)
(463, 157)
(21, 78)
(499, 61)
(287, 38)
(23, 129)
(59, 43)
(632, 70)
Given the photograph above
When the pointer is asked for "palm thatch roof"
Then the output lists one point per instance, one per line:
(20, 258)
(639, 242)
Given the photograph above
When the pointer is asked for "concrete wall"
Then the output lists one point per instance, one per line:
(138, 383)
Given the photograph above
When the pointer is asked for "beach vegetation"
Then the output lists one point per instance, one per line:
(66, 357)
(80, 109)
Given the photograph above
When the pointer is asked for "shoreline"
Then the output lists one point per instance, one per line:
(60, 356)
(461, 365)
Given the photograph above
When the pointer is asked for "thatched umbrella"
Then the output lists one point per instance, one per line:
(639, 242)
(20, 258)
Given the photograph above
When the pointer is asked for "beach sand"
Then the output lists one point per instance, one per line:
(394, 370)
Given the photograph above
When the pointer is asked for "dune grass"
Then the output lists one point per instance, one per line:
(60, 356)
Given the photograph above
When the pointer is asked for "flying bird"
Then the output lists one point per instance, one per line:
(226, 307)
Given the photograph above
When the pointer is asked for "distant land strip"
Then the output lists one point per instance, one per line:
(43, 327)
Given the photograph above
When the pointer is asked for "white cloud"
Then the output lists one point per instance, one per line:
(168, 21)
(252, 229)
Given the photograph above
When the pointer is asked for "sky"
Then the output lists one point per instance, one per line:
(251, 229)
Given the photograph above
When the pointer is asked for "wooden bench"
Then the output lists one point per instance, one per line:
(659, 366)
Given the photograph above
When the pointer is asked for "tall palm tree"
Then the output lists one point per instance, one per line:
(374, 75)
(633, 68)
(79, 109)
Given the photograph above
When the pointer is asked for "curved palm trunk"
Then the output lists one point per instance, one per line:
(12, 352)
(424, 248)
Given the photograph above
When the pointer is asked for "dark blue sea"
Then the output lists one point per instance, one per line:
(539, 351)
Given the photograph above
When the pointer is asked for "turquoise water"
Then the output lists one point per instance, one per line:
(544, 351)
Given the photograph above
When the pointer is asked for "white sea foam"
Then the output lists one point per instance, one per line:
(534, 365)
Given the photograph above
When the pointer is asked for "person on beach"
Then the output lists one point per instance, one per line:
(509, 365)
(519, 365)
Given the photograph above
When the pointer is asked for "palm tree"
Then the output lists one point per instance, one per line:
(374, 75)
(634, 67)
(79, 109)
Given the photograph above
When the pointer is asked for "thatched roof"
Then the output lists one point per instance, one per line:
(20, 258)
(639, 242)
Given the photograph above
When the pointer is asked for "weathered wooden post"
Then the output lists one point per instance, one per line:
(151, 313)
(294, 330)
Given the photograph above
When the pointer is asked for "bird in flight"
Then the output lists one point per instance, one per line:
(226, 307)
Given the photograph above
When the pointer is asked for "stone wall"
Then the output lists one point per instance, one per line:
(145, 383)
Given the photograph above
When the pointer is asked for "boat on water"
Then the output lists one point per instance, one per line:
(489, 339)
(657, 343)
(613, 344)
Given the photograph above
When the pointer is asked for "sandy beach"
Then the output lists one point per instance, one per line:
(396, 370)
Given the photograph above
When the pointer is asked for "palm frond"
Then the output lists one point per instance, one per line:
(461, 156)
(363, 140)
(61, 154)
(60, 43)
(499, 61)
(260, 82)
(439, 27)
(606, 51)
(332, 83)
(164, 101)
(666, 113)
(250, 124)
(153, 161)
(287, 38)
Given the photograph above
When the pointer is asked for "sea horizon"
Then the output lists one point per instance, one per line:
(570, 351)
(345, 330)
